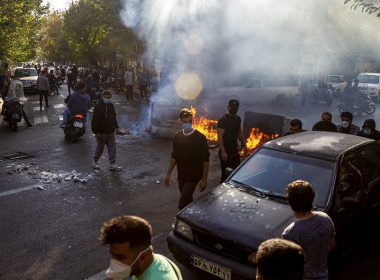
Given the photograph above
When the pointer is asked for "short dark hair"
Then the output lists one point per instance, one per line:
(80, 86)
(132, 229)
(300, 195)
(233, 103)
(346, 115)
(296, 122)
(327, 114)
(185, 113)
(107, 92)
(279, 259)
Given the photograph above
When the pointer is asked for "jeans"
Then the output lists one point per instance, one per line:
(109, 140)
(186, 189)
(44, 93)
(233, 161)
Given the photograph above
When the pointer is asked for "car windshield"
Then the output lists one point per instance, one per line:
(19, 73)
(368, 79)
(271, 171)
(334, 79)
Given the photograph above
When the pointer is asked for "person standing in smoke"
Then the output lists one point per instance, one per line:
(129, 83)
(191, 156)
(229, 130)
(369, 130)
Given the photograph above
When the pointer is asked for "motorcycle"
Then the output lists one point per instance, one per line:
(362, 104)
(12, 112)
(75, 127)
(323, 95)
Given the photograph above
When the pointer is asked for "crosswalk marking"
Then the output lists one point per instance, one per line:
(42, 119)
(57, 106)
(38, 108)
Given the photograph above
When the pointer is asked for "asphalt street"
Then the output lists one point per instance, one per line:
(49, 230)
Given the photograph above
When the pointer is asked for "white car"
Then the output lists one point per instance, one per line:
(370, 83)
(257, 90)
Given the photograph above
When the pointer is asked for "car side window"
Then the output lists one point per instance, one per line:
(350, 184)
(369, 159)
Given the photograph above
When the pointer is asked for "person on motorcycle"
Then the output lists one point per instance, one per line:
(91, 87)
(346, 125)
(369, 130)
(52, 82)
(78, 103)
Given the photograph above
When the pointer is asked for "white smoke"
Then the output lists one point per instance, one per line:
(220, 40)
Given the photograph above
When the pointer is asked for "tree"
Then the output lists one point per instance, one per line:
(366, 6)
(20, 23)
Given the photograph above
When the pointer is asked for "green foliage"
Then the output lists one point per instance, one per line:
(20, 23)
(366, 6)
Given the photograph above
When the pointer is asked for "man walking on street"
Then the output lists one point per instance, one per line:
(130, 245)
(229, 131)
(129, 83)
(104, 125)
(312, 230)
(43, 87)
(191, 155)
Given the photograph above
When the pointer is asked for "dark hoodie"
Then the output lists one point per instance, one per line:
(375, 134)
(104, 118)
(79, 102)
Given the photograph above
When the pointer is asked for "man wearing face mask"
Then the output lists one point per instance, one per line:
(191, 156)
(104, 125)
(346, 125)
(229, 131)
(129, 239)
(369, 130)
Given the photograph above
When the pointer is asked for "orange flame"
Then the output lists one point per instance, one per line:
(204, 125)
(255, 140)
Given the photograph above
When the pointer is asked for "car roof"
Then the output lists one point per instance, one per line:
(318, 144)
(376, 74)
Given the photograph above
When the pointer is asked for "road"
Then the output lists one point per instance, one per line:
(50, 229)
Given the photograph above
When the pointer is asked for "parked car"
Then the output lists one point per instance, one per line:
(370, 83)
(28, 77)
(336, 83)
(218, 234)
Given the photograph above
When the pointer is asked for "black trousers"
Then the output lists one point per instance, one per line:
(129, 92)
(44, 93)
(186, 189)
(233, 161)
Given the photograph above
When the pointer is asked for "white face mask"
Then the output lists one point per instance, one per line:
(118, 270)
(367, 131)
(106, 100)
(345, 124)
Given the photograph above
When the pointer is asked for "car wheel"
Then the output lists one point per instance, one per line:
(371, 109)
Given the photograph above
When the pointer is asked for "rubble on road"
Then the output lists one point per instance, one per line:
(48, 176)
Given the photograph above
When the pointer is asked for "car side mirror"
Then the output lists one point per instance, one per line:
(229, 171)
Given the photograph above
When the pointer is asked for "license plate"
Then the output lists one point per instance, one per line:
(78, 124)
(27, 85)
(211, 268)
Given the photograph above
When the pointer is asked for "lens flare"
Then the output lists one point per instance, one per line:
(188, 86)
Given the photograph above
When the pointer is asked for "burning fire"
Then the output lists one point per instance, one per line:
(205, 126)
(256, 139)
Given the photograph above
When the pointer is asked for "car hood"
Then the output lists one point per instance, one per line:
(29, 78)
(234, 214)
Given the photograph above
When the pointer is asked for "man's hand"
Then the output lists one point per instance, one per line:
(167, 181)
(224, 155)
(203, 185)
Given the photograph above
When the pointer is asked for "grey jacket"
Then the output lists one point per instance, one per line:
(43, 83)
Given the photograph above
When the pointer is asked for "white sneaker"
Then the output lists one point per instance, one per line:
(114, 167)
(95, 164)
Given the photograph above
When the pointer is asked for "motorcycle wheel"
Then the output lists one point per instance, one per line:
(371, 109)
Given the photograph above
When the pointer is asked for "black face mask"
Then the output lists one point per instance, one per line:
(232, 111)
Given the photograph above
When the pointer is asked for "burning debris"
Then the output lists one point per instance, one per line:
(47, 176)
(205, 126)
(255, 140)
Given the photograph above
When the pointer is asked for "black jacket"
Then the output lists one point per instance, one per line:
(104, 118)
